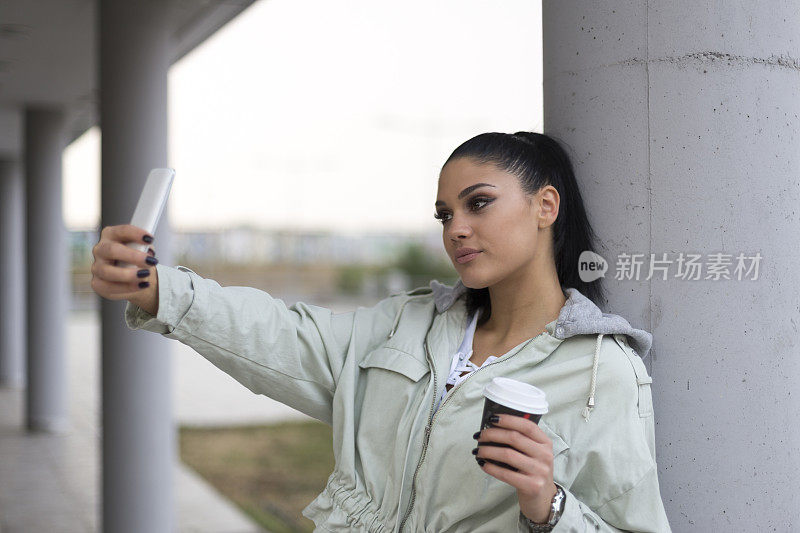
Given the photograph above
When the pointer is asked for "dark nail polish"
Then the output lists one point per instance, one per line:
(144, 284)
(494, 419)
(148, 239)
(474, 451)
(151, 260)
(143, 273)
(481, 462)
(477, 435)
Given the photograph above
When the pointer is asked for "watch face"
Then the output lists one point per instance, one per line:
(558, 506)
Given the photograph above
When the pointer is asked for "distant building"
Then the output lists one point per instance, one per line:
(255, 245)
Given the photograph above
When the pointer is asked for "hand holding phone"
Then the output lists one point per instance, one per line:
(151, 205)
(126, 245)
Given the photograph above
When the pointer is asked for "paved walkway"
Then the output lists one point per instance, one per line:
(49, 483)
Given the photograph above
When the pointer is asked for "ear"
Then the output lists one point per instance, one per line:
(548, 202)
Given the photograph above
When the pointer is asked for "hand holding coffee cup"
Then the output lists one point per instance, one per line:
(512, 447)
(506, 395)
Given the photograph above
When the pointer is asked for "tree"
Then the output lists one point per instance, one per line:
(421, 267)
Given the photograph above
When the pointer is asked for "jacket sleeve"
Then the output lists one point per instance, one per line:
(622, 455)
(291, 354)
(639, 509)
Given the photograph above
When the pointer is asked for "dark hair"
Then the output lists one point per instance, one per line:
(539, 160)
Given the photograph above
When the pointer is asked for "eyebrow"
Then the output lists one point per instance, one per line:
(466, 191)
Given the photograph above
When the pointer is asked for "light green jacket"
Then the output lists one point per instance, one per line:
(375, 373)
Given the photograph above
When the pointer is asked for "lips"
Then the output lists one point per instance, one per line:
(465, 251)
(466, 254)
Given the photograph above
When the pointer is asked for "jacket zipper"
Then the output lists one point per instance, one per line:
(454, 389)
(425, 441)
(432, 416)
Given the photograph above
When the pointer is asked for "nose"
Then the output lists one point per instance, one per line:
(458, 228)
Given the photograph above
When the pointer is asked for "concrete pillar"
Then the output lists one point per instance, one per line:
(47, 273)
(12, 280)
(139, 445)
(683, 120)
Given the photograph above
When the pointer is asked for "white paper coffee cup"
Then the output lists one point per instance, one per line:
(509, 396)
(517, 395)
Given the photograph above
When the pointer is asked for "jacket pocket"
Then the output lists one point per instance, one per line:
(396, 361)
(390, 397)
(559, 444)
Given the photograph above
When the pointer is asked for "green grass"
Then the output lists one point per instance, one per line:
(270, 472)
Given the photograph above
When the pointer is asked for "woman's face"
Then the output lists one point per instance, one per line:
(485, 208)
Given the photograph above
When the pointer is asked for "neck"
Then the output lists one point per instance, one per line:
(523, 304)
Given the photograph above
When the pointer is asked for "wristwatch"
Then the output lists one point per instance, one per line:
(556, 509)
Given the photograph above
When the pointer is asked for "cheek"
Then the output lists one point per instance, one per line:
(513, 234)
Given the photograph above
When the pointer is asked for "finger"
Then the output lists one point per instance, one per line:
(523, 425)
(113, 290)
(151, 252)
(126, 233)
(513, 438)
(521, 481)
(109, 272)
(510, 456)
(109, 251)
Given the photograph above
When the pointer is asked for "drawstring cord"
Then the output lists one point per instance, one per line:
(586, 412)
(590, 403)
(400, 311)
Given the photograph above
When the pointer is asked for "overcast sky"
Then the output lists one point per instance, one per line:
(334, 115)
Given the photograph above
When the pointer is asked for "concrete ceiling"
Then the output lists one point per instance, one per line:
(48, 56)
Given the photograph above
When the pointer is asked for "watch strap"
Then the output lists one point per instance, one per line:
(556, 510)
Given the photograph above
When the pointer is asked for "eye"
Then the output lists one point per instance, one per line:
(479, 200)
(472, 203)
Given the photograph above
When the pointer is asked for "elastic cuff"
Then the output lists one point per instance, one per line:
(175, 296)
(138, 318)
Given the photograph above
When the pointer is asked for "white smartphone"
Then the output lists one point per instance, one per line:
(151, 205)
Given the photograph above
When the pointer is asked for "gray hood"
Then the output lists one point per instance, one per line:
(579, 316)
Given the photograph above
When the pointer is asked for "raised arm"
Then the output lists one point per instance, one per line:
(291, 354)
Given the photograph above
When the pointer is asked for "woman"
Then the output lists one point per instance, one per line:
(401, 382)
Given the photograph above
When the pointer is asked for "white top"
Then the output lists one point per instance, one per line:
(460, 365)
